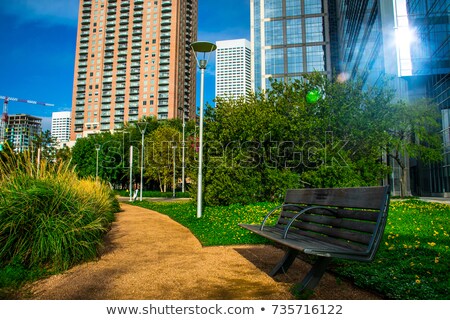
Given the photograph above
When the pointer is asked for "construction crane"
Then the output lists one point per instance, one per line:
(4, 119)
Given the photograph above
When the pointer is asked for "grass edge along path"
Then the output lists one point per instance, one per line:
(412, 262)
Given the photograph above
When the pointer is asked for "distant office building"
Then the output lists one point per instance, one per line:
(22, 130)
(133, 60)
(233, 68)
(289, 38)
(61, 126)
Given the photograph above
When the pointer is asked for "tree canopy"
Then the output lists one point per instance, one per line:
(313, 132)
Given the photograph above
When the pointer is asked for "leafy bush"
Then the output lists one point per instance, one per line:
(258, 146)
(226, 185)
(14, 275)
(48, 217)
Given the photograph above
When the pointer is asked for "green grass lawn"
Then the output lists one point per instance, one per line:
(155, 194)
(413, 261)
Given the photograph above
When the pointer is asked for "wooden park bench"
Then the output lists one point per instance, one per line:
(346, 223)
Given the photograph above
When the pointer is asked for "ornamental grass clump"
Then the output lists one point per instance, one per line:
(48, 217)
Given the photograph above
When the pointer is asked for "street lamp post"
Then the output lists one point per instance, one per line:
(174, 168)
(183, 146)
(97, 148)
(142, 127)
(204, 49)
(131, 173)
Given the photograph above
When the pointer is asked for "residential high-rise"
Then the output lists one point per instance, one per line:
(133, 60)
(233, 68)
(22, 129)
(61, 126)
(289, 38)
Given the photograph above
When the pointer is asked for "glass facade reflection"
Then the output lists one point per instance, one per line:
(406, 40)
(430, 59)
(360, 40)
(289, 39)
(409, 40)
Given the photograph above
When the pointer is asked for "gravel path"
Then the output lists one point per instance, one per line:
(148, 256)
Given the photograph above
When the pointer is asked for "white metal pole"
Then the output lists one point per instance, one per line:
(183, 154)
(97, 149)
(38, 160)
(96, 166)
(142, 165)
(131, 173)
(174, 168)
(200, 151)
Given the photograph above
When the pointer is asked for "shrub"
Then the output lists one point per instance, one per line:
(226, 185)
(48, 217)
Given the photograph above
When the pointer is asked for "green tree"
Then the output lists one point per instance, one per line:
(159, 155)
(63, 154)
(413, 130)
(279, 139)
(112, 165)
(44, 144)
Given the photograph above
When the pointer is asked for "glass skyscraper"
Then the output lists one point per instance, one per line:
(404, 40)
(289, 38)
(408, 40)
(429, 22)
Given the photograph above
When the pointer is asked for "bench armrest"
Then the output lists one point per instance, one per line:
(286, 229)
(275, 209)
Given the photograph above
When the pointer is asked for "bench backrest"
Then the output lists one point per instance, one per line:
(353, 217)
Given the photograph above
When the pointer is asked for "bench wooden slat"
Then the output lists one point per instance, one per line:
(307, 241)
(333, 233)
(357, 225)
(367, 197)
(368, 215)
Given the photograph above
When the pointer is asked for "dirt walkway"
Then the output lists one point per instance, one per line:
(148, 256)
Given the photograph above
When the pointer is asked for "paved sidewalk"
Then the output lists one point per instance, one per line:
(436, 199)
(148, 256)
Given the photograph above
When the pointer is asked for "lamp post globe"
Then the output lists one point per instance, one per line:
(202, 51)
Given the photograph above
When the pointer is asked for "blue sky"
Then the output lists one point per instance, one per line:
(37, 48)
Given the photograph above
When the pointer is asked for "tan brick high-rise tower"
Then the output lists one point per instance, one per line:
(133, 59)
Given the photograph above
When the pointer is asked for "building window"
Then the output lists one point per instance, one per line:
(274, 32)
(314, 29)
(313, 6)
(315, 58)
(294, 31)
(273, 9)
(275, 61)
(293, 7)
(295, 60)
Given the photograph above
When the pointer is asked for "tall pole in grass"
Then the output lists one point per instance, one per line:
(97, 148)
(142, 127)
(38, 160)
(173, 183)
(131, 173)
(183, 144)
(202, 51)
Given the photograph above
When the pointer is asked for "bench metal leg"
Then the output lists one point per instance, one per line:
(311, 280)
(285, 262)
